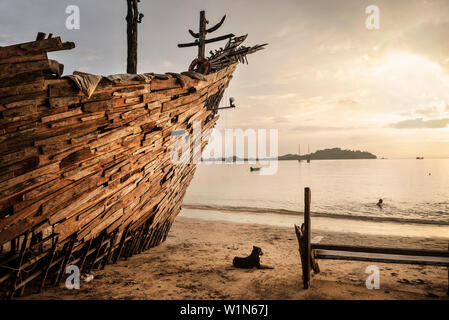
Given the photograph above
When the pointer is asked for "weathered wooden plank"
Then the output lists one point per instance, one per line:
(12, 69)
(35, 47)
(382, 257)
(381, 250)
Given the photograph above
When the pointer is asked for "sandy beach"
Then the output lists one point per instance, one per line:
(196, 263)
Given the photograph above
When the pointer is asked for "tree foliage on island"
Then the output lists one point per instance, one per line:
(331, 154)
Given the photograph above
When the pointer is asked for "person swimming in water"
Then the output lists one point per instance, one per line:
(380, 203)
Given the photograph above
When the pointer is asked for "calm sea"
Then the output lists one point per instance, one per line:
(413, 191)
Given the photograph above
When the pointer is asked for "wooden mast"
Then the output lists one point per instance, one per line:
(201, 35)
(132, 19)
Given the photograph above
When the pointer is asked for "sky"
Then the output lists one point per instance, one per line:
(324, 81)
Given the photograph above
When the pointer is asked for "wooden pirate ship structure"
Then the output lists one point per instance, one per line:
(86, 176)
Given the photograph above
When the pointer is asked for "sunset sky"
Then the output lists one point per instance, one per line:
(324, 79)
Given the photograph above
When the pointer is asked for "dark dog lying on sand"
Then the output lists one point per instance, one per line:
(251, 261)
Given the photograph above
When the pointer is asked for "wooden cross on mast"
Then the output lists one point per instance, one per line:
(201, 35)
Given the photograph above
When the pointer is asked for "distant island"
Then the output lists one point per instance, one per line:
(331, 154)
(326, 154)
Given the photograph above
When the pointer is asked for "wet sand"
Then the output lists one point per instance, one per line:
(196, 263)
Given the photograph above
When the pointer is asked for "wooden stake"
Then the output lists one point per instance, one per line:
(85, 254)
(50, 261)
(152, 237)
(65, 261)
(19, 264)
(128, 246)
(137, 240)
(122, 242)
(167, 230)
(161, 233)
(148, 241)
(144, 238)
(92, 265)
(111, 249)
(156, 236)
(307, 238)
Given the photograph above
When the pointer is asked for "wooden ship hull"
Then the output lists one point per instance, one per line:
(86, 176)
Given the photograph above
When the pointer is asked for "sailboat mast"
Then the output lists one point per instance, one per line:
(308, 153)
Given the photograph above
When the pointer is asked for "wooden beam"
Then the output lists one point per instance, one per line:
(150, 236)
(100, 245)
(167, 230)
(382, 250)
(47, 45)
(111, 249)
(135, 241)
(86, 253)
(196, 44)
(19, 264)
(218, 25)
(307, 238)
(65, 261)
(202, 35)
(50, 260)
(381, 257)
(143, 238)
(40, 36)
(128, 244)
(122, 242)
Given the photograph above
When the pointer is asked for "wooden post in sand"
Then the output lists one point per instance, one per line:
(307, 237)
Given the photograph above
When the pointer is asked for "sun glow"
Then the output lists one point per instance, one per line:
(406, 63)
(415, 78)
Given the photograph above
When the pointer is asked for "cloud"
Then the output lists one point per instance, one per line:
(347, 101)
(429, 110)
(92, 57)
(421, 124)
(322, 128)
(273, 96)
(167, 64)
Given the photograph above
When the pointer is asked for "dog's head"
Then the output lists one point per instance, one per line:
(257, 250)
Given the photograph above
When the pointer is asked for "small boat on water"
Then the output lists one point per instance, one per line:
(254, 169)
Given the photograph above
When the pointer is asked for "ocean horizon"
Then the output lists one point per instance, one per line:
(415, 192)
